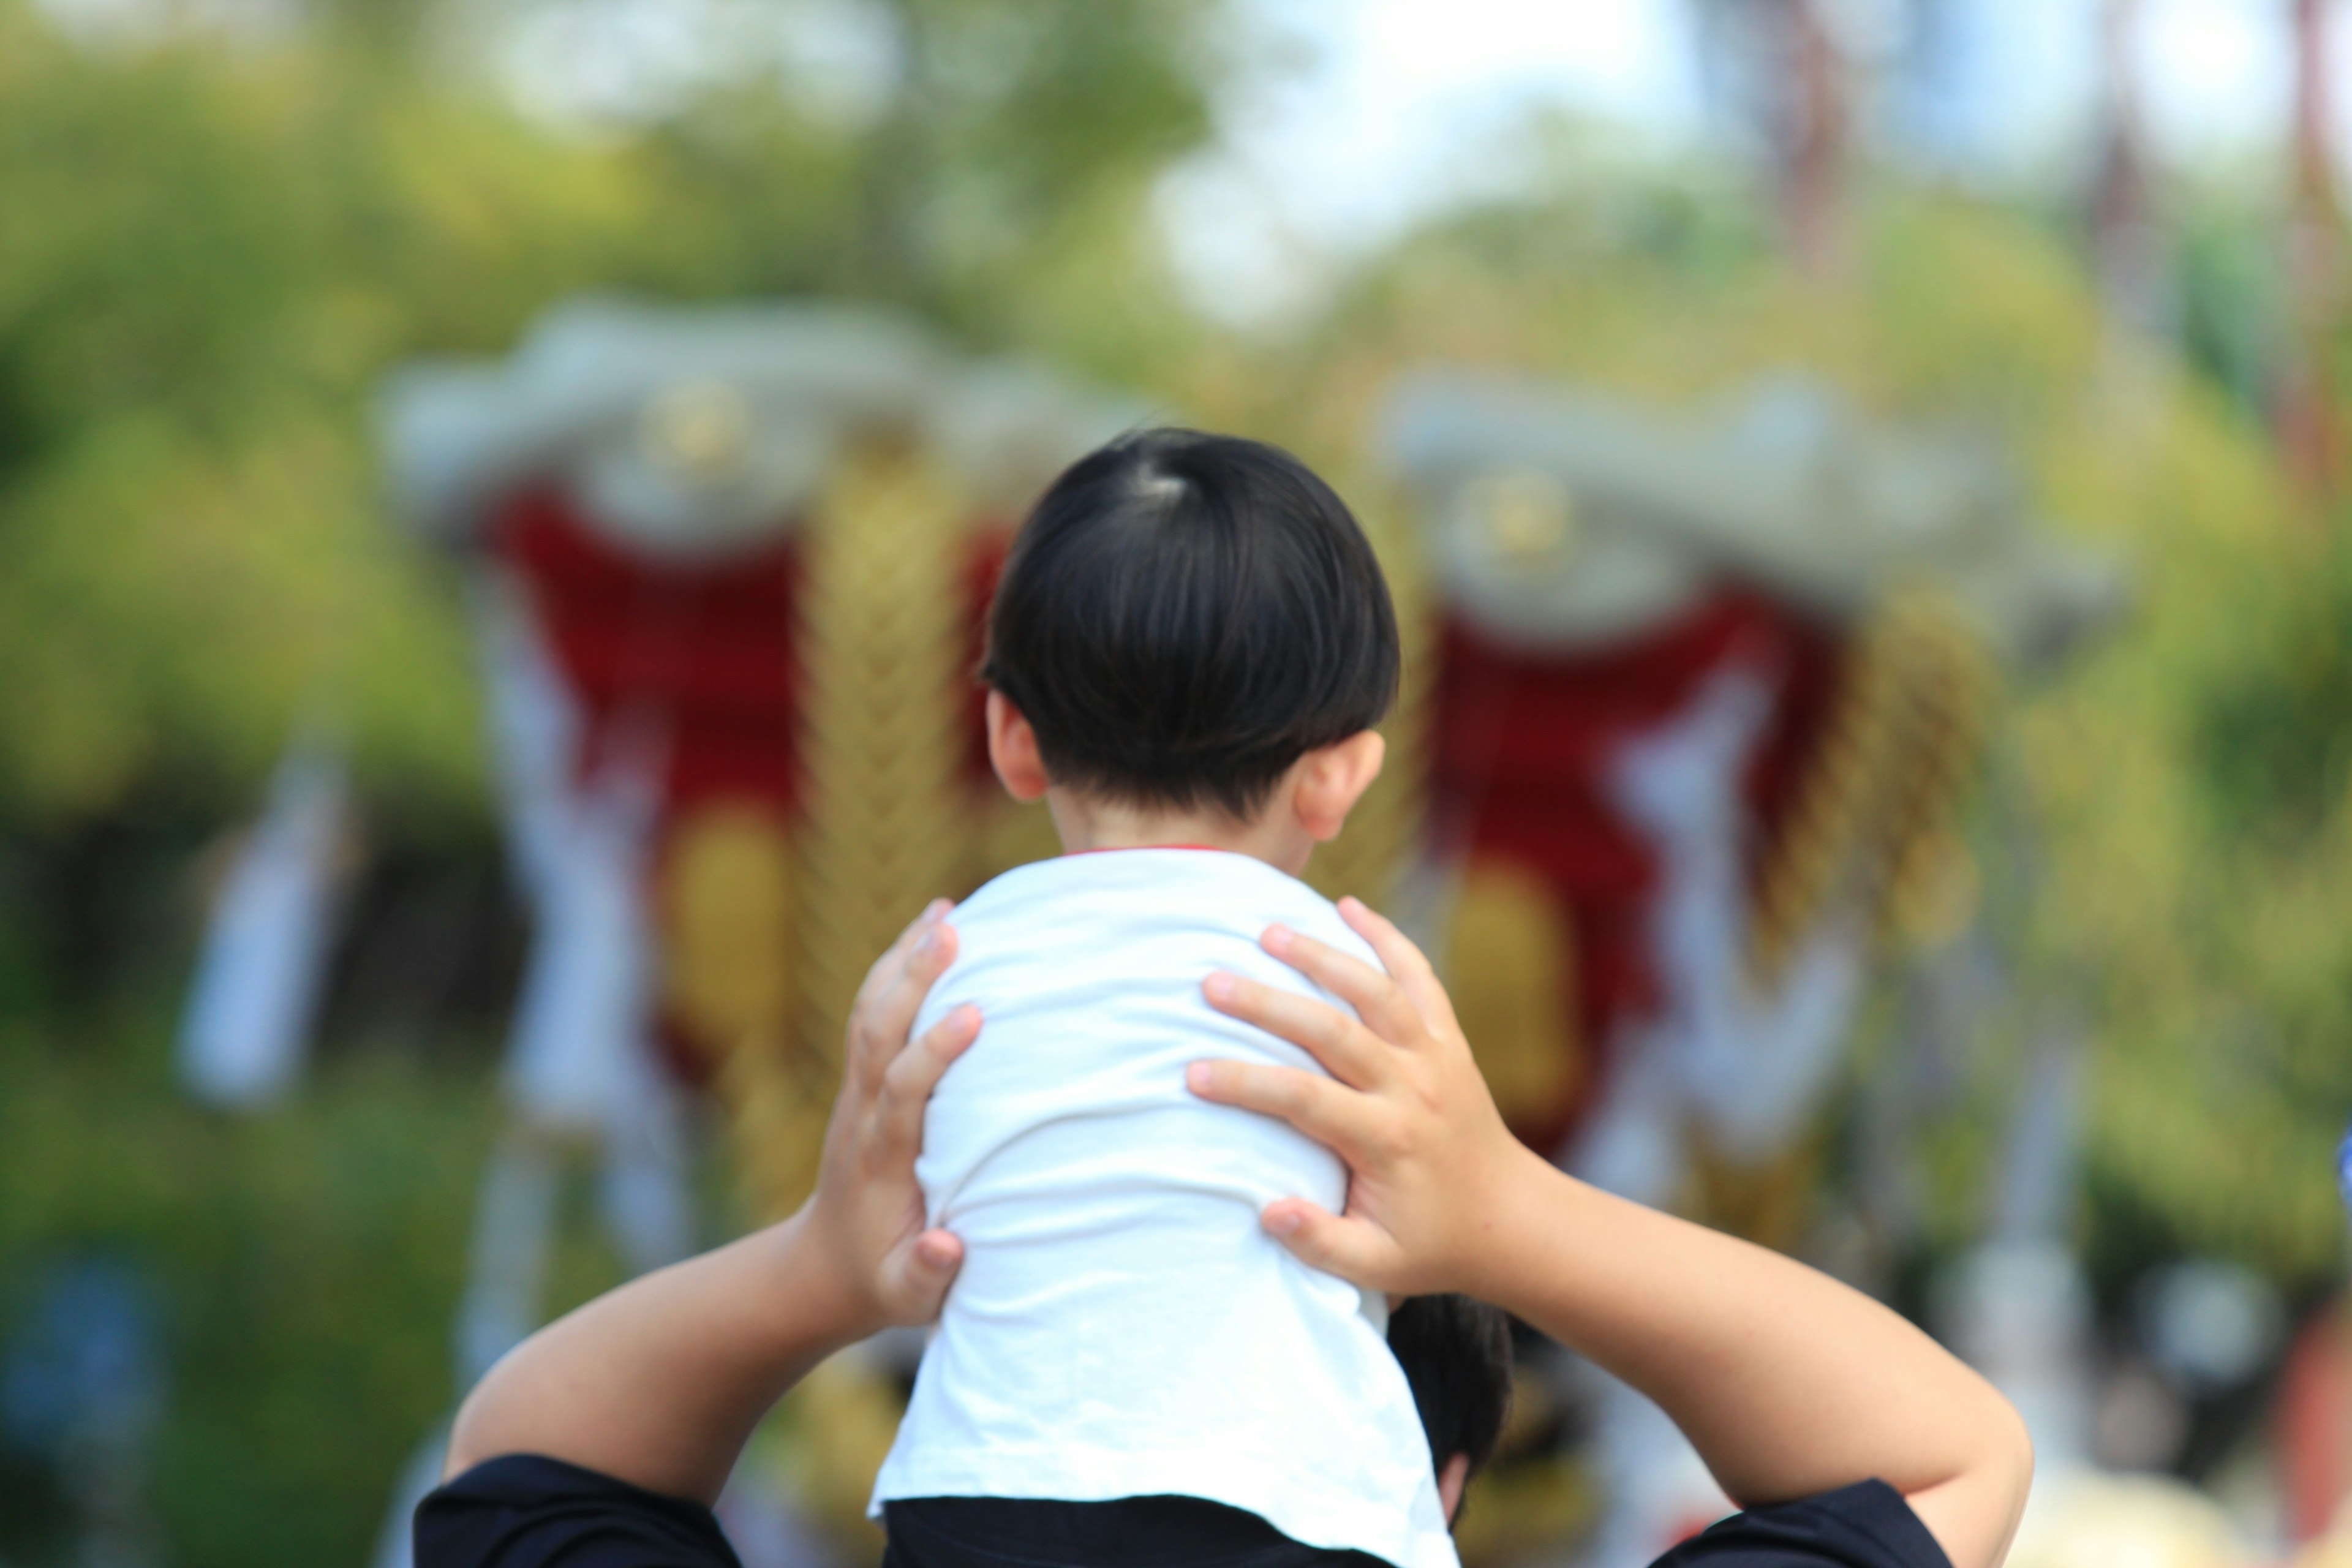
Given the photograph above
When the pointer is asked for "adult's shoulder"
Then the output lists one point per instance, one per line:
(1867, 1525)
(525, 1511)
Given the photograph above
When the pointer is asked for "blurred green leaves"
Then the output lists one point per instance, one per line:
(2275, 730)
(210, 248)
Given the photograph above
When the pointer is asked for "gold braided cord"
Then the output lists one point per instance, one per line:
(881, 643)
(1931, 882)
(726, 886)
(1370, 853)
(1824, 823)
(1872, 822)
(726, 903)
(1509, 958)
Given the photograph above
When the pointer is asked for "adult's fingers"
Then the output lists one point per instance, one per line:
(1405, 962)
(1378, 1000)
(1330, 1112)
(883, 976)
(1348, 1051)
(1355, 1249)
(894, 992)
(908, 1081)
(915, 1277)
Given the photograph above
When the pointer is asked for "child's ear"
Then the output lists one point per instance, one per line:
(1013, 751)
(1332, 778)
(1452, 1481)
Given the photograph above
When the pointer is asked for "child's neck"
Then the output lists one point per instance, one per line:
(1086, 822)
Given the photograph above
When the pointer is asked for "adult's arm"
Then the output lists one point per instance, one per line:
(660, 1383)
(1788, 1382)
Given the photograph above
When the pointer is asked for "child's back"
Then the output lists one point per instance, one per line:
(1190, 644)
(1119, 1306)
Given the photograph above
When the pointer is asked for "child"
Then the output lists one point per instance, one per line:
(1188, 651)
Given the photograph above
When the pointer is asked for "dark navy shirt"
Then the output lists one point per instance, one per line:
(524, 1511)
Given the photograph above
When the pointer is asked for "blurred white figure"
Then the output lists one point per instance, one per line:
(246, 1029)
(579, 862)
(1748, 1065)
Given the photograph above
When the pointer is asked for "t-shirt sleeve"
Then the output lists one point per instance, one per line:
(526, 1511)
(1867, 1525)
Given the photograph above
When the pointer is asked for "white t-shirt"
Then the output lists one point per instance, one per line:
(1122, 1325)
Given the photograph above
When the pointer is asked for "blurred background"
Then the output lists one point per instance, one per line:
(495, 496)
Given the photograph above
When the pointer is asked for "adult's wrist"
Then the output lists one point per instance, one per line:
(823, 1306)
(1519, 1239)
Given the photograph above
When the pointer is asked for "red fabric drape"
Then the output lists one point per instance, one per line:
(1521, 744)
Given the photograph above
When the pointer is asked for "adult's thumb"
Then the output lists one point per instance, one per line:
(929, 1268)
(1322, 1240)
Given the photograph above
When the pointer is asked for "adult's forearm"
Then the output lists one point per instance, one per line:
(1787, 1383)
(661, 1381)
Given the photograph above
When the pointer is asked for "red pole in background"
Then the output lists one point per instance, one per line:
(1813, 138)
(2123, 234)
(2307, 411)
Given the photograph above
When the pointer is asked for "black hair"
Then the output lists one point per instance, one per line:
(1456, 1354)
(1184, 616)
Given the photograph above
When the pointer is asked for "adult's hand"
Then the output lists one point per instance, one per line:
(1432, 1171)
(865, 1216)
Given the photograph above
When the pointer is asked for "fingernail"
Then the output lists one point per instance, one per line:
(1197, 1077)
(1352, 904)
(1282, 1222)
(1219, 987)
(934, 910)
(930, 943)
(967, 1022)
(1278, 938)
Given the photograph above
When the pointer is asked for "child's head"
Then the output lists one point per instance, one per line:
(1184, 621)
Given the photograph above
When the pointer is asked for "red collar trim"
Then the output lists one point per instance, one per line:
(1123, 848)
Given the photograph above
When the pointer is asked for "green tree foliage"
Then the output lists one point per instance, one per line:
(211, 248)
